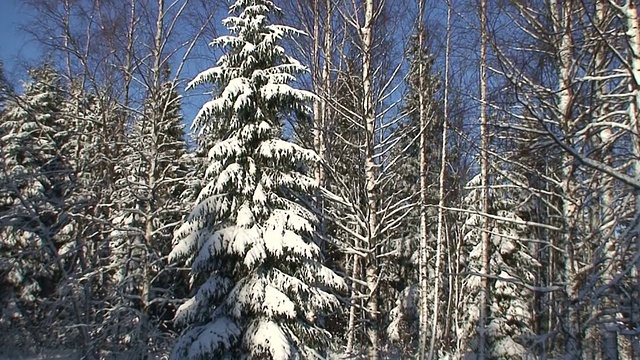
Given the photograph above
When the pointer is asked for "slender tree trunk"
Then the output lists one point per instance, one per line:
(550, 270)
(128, 58)
(351, 326)
(630, 15)
(321, 67)
(317, 102)
(604, 217)
(324, 109)
(484, 177)
(153, 161)
(371, 175)
(66, 24)
(561, 19)
(451, 259)
(441, 190)
(424, 226)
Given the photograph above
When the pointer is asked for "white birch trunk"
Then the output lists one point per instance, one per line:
(424, 226)
(129, 57)
(351, 326)
(604, 217)
(151, 172)
(442, 231)
(441, 193)
(561, 19)
(318, 105)
(371, 172)
(630, 15)
(484, 176)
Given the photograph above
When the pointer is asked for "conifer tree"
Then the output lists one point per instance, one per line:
(261, 286)
(34, 185)
(89, 152)
(512, 268)
(404, 317)
(5, 89)
(149, 189)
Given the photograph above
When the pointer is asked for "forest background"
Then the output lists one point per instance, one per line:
(475, 167)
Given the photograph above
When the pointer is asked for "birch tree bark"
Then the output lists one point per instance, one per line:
(424, 226)
(484, 183)
(443, 232)
(629, 14)
(371, 176)
(440, 236)
(561, 13)
(604, 221)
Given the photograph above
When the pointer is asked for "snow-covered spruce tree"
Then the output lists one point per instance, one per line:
(34, 186)
(249, 240)
(5, 88)
(149, 186)
(79, 299)
(404, 318)
(512, 267)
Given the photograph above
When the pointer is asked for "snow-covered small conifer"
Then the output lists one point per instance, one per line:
(34, 186)
(509, 326)
(5, 89)
(150, 182)
(404, 270)
(259, 282)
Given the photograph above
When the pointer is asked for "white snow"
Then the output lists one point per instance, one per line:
(268, 336)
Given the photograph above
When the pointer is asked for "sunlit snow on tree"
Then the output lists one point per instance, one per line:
(508, 330)
(260, 283)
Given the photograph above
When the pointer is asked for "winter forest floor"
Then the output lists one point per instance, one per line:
(7, 353)
(14, 354)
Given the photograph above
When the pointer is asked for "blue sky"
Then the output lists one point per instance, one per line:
(14, 46)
